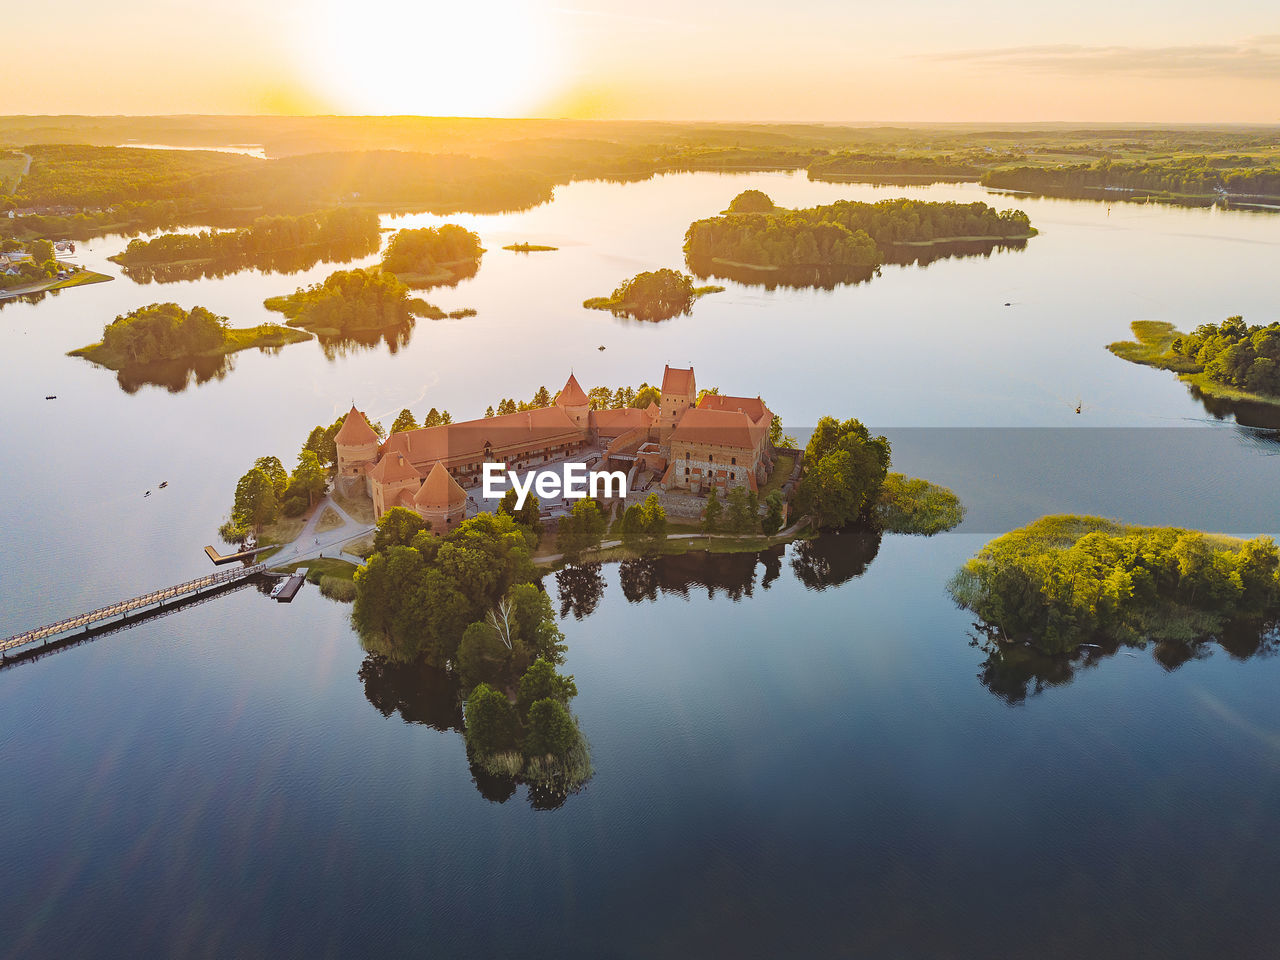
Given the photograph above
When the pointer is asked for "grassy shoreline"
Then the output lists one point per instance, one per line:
(1151, 346)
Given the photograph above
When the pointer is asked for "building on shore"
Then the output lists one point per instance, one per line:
(691, 445)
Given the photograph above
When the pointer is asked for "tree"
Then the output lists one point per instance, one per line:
(751, 201)
(433, 418)
(275, 471)
(646, 395)
(542, 398)
(404, 421)
(41, 250)
(529, 516)
(541, 682)
(581, 530)
(482, 655)
(488, 411)
(776, 437)
(255, 503)
(552, 731)
(846, 468)
(772, 521)
(309, 476)
(491, 725)
(744, 509)
(711, 514)
(397, 528)
(320, 442)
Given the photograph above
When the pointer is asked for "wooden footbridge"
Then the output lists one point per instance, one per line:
(129, 611)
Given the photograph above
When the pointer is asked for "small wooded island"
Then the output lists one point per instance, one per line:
(848, 239)
(652, 295)
(351, 302)
(1064, 581)
(523, 247)
(165, 331)
(433, 256)
(1230, 360)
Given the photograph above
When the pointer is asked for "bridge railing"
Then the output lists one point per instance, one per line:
(124, 606)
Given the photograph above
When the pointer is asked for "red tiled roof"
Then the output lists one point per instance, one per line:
(440, 490)
(677, 381)
(393, 467)
(753, 407)
(727, 428)
(611, 423)
(572, 394)
(465, 441)
(355, 430)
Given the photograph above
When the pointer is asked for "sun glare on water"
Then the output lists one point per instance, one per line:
(465, 58)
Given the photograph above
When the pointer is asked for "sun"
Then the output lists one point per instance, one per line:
(479, 58)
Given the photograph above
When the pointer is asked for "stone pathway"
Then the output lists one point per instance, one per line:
(310, 545)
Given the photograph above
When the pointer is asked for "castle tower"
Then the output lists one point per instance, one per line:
(440, 500)
(573, 401)
(357, 445)
(679, 390)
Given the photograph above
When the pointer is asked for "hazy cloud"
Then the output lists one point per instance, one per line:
(1256, 57)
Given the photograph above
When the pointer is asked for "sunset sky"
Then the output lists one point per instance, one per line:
(910, 60)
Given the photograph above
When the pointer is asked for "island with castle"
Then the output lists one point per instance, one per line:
(679, 448)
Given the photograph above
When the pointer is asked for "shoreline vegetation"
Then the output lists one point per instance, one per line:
(1229, 361)
(652, 296)
(842, 242)
(1064, 582)
(164, 332)
(81, 185)
(281, 243)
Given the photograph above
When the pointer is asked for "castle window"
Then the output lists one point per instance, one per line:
(686, 471)
(733, 459)
(731, 475)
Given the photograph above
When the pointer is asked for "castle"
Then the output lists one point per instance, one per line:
(690, 445)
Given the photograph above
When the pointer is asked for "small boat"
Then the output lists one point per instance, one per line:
(54, 396)
(163, 484)
(275, 591)
(147, 494)
(601, 347)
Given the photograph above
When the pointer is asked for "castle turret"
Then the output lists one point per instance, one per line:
(357, 446)
(440, 500)
(573, 401)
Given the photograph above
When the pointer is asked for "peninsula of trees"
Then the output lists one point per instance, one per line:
(846, 480)
(351, 302)
(843, 236)
(652, 295)
(283, 242)
(468, 601)
(1064, 580)
(165, 331)
(1230, 360)
(433, 256)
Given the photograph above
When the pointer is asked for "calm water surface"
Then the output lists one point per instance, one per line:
(780, 768)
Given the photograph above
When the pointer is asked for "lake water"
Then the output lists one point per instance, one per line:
(796, 754)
